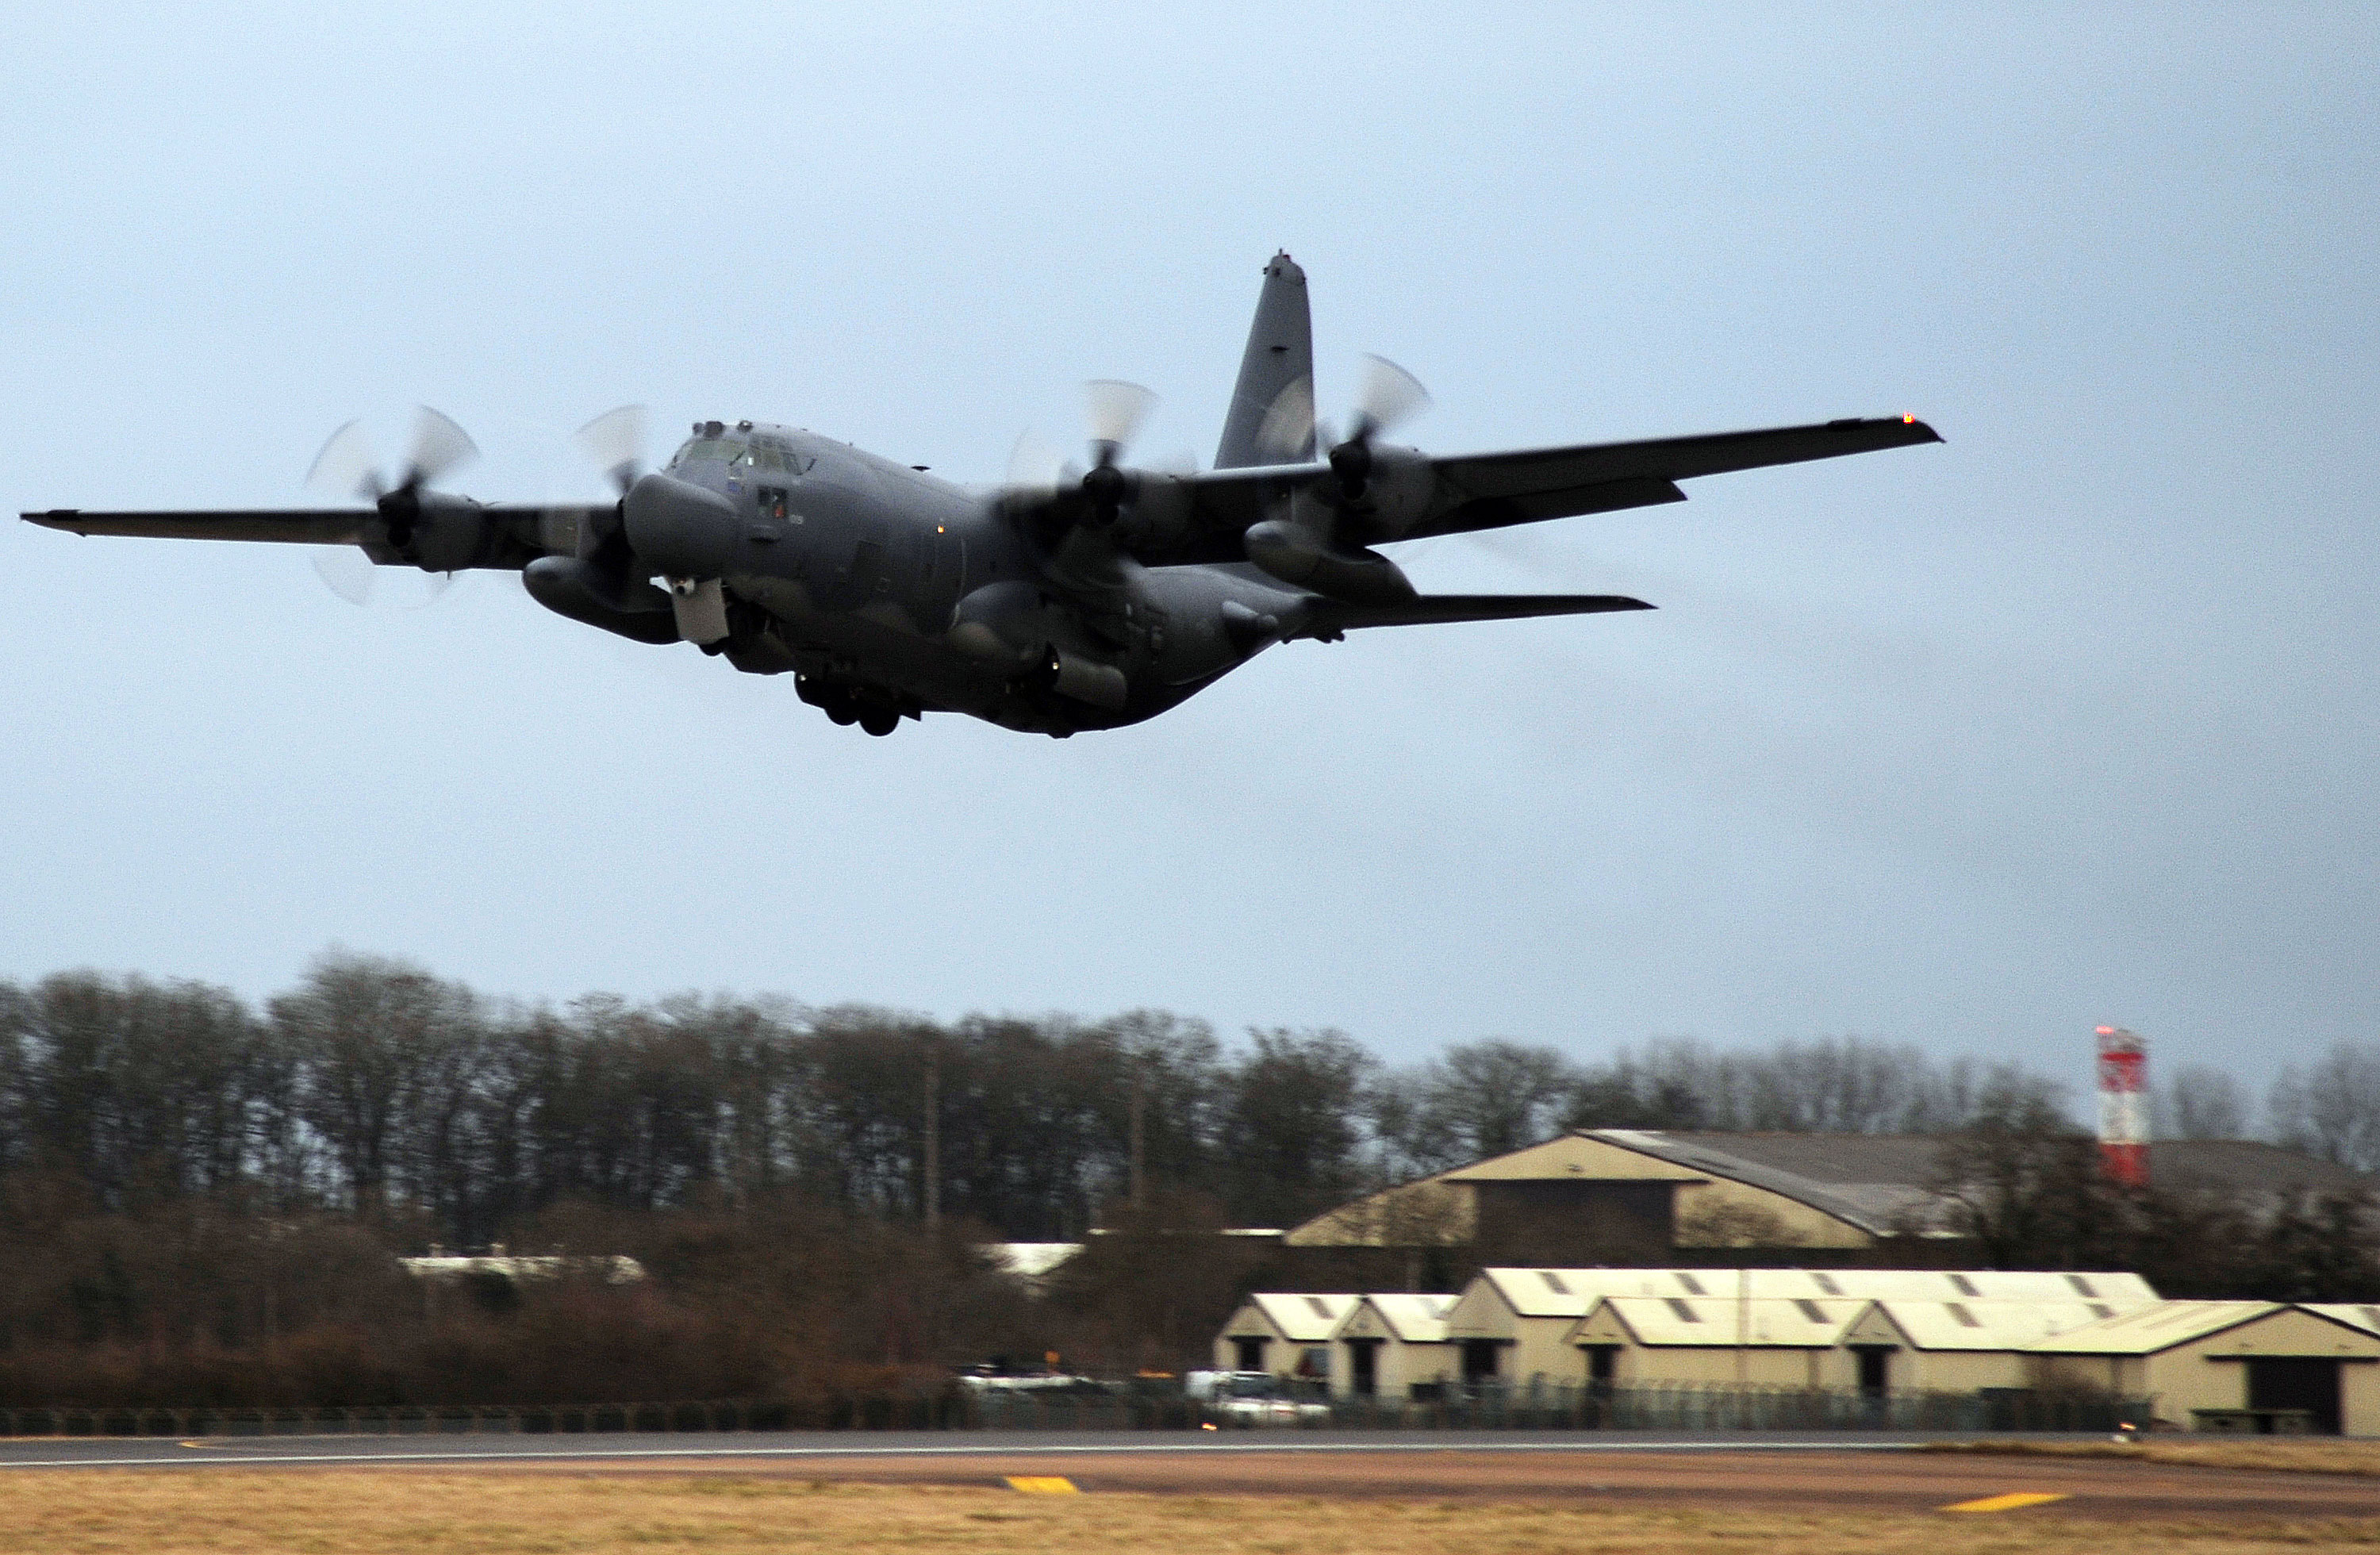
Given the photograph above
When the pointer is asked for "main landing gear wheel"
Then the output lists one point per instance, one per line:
(880, 724)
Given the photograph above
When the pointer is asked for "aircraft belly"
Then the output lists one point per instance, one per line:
(878, 644)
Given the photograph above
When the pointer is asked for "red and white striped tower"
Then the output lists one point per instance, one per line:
(2123, 1107)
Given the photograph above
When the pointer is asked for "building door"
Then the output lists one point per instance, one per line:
(1874, 1367)
(1602, 1366)
(1479, 1360)
(1364, 1367)
(2295, 1382)
(1251, 1353)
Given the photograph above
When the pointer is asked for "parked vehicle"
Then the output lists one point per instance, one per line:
(1253, 1398)
(1039, 1384)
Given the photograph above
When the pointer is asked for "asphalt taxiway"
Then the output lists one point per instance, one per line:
(1829, 1470)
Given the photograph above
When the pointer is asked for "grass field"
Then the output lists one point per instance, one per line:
(2292, 1454)
(333, 1513)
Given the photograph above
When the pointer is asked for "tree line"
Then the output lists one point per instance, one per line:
(201, 1197)
(375, 1089)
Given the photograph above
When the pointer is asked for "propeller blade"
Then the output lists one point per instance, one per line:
(1286, 433)
(346, 572)
(1388, 394)
(1036, 469)
(346, 465)
(615, 441)
(1115, 412)
(439, 445)
(353, 576)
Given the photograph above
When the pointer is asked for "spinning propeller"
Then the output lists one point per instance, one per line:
(1056, 496)
(347, 467)
(615, 441)
(1387, 396)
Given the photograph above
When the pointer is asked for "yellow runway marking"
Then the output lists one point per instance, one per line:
(2009, 1502)
(1043, 1485)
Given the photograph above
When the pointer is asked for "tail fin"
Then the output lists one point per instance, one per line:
(1272, 418)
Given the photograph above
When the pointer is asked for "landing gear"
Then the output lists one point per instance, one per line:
(848, 705)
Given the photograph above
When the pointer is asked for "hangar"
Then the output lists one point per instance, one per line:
(2211, 1365)
(1396, 1347)
(1688, 1325)
(2227, 1365)
(1610, 1195)
(1289, 1334)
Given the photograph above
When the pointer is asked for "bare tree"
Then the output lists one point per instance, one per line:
(2332, 1109)
(2202, 1104)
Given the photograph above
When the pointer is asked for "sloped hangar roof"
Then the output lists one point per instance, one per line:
(1413, 1320)
(1303, 1318)
(1760, 1322)
(1565, 1293)
(1885, 1184)
(1992, 1325)
(2157, 1328)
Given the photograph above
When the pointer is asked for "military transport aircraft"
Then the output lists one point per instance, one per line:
(1067, 598)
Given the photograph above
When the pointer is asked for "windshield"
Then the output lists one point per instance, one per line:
(1253, 1387)
(759, 453)
(706, 448)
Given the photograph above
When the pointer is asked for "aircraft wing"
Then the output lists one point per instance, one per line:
(1328, 619)
(1491, 490)
(503, 535)
(316, 525)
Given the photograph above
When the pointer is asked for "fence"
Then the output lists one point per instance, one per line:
(1574, 1406)
(1556, 1407)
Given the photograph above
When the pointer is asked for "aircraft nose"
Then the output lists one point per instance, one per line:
(679, 529)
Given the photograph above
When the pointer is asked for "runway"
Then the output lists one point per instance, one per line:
(1817, 1471)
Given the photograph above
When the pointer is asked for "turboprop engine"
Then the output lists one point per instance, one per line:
(687, 533)
(1374, 492)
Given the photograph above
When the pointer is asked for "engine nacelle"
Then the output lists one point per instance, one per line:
(1397, 493)
(1296, 554)
(444, 533)
(680, 530)
(578, 589)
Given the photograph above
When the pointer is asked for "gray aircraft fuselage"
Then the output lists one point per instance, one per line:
(857, 568)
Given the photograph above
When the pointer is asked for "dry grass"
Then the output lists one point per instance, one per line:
(2292, 1454)
(335, 1513)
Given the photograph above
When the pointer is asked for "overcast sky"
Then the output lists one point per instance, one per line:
(2071, 719)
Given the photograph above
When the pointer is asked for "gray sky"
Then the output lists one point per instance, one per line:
(2071, 719)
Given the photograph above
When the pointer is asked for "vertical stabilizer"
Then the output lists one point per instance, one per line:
(1272, 418)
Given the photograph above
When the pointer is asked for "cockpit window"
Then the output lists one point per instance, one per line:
(706, 448)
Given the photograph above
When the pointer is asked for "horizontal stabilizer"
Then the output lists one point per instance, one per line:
(1327, 618)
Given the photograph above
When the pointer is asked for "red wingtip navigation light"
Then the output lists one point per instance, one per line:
(2123, 1111)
